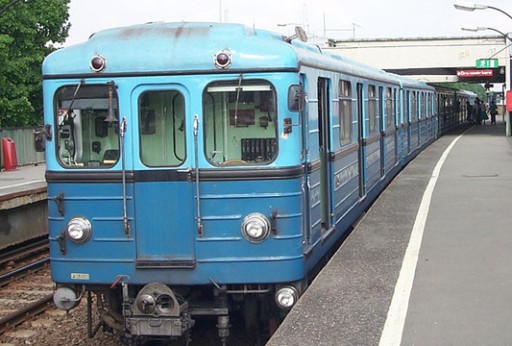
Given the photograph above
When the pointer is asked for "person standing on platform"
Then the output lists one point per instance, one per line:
(483, 113)
(469, 110)
(476, 112)
(493, 110)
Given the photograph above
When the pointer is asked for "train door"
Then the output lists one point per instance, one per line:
(306, 184)
(324, 139)
(163, 221)
(361, 139)
(400, 121)
(407, 121)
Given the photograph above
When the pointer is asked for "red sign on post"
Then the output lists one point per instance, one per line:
(474, 73)
(509, 100)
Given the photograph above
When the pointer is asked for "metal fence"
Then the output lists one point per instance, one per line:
(24, 141)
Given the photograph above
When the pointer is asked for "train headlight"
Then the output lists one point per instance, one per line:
(286, 297)
(255, 227)
(79, 230)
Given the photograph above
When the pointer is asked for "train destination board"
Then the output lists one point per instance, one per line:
(474, 73)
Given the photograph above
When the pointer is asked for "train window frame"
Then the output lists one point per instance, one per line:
(414, 106)
(407, 107)
(399, 95)
(162, 127)
(390, 111)
(429, 105)
(345, 108)
(240, 122)
(423, 106)
(373, 109)
(86, 126)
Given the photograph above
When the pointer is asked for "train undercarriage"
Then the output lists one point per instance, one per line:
(157, 312)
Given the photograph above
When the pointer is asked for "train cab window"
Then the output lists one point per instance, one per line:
(240, 123)
(372, 109)
(345, 109)
(161, 128)
(87, 126)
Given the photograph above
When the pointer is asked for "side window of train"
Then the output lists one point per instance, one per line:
(430, 105)
(345, 111)
(240, 123)
(161, 128)
(423, 110)
(414, 106)
(372, 109)
(87, 126)
(390, 111)
(398, 106)
(407, 107)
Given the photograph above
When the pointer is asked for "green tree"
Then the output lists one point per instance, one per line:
(29, 31)
(478, 89)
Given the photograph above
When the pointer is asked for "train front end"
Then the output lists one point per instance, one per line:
(175, 176)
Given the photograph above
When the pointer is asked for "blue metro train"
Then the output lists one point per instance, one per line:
(203, 169)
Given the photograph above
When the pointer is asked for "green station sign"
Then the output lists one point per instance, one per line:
(487, 63)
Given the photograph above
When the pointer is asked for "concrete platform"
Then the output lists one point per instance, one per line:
(418, 271)
(23, 205)
(22, 186)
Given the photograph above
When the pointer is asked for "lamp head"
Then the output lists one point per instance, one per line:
(468, 6)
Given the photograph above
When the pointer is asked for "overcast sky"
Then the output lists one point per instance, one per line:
(338, 19)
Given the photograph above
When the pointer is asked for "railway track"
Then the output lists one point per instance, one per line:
(23, 252)
(27, 288)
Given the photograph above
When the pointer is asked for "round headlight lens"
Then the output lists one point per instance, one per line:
(79, 229)
(255, 227)
(286, 297)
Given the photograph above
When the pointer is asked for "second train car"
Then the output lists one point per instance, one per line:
(203, 169)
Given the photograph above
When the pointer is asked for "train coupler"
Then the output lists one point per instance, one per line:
(156, 312)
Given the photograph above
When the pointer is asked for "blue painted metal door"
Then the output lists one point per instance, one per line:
(165, 231)
(164, 193)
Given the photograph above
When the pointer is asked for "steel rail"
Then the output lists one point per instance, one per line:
(7, 277)
(16, 253)
(28, 311)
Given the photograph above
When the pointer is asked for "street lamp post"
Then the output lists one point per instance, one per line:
(468, 6)
(482, 28)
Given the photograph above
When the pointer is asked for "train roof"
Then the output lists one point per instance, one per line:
(174, 48)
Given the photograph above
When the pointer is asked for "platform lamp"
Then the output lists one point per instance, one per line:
(468, 6)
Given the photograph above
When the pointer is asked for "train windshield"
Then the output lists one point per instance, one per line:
(87, 126)
(240, 123)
